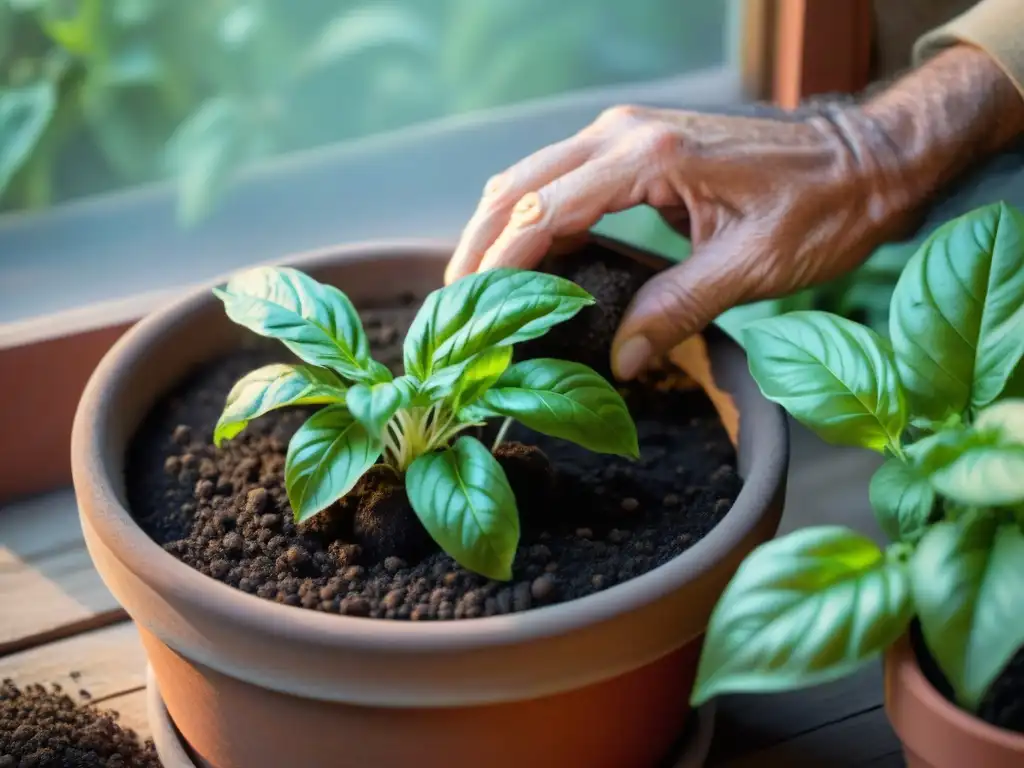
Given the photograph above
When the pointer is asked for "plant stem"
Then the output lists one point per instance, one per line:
(501, 433)
(390, 447)
(440, 431)
(894, 446)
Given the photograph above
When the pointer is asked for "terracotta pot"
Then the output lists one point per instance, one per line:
(936, 733)
(690, 752)
(599, 682)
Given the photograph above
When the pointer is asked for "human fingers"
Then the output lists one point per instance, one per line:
(502, 193)
(623, 176)
(678, 303)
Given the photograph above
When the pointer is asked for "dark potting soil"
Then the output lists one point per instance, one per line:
(588, 521)
(1003, 703)
(44, 728)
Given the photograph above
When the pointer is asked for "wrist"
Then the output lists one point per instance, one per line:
(955, 110)
(869, 171)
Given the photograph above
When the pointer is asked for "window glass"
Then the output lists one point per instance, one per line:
(97, 95)
(147, 145)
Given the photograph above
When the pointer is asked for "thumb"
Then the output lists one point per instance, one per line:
(677, 303)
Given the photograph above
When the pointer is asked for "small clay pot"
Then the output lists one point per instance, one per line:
(934, 731)
(598, 682)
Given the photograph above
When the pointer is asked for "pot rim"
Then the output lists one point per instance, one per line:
(111, 521)
(909, 675)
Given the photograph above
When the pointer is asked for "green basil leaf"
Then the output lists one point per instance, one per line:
(801, 610)
(463, 499)
(1005, 419)
(271, 387)
(989, 475)
(934, 452)
(957, 321)
(833, 375)
(968, 585)
(981, 465)
(479, 375)
(445, 382)
(953, 421)
(565, 400)
(373, 405)
(903, 500)
(499, 307)
(317, 322)
(326, 456)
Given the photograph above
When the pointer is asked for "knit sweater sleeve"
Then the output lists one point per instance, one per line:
(995, 26)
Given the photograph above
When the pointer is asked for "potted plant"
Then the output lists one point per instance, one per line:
(943, 401)
(385, 572)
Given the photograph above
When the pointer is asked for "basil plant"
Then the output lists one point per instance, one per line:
(458, 374)
(942, 401)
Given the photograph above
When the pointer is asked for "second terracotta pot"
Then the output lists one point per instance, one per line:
(936, 733)
(599, 682)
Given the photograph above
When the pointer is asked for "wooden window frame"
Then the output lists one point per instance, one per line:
(791, 49)
(820, 48)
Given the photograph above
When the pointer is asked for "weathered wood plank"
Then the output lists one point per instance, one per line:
(753, 724)
(105, 662)
(858, 740)
(105, 668)
(48, 587)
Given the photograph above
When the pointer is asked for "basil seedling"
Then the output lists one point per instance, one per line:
(943, 401)
(458, 374)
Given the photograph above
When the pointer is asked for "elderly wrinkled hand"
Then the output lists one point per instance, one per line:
(771, 206)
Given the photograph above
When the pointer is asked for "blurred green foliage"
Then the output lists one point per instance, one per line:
(100, 94)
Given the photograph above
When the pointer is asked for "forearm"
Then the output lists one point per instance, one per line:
(953, 111)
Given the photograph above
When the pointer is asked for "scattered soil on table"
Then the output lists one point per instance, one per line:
(588, 521)
(1003, 703)
(44, 728)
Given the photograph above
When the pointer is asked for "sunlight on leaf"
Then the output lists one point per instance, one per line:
(805, 609)
(833, 375)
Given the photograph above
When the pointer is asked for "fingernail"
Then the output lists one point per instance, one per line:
(631, 357)
(527, 211)
(494, 185)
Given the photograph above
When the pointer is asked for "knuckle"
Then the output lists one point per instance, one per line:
(656, 141)
(621, 113)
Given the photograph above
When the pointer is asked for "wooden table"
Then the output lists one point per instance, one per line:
(59, 624)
